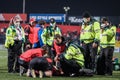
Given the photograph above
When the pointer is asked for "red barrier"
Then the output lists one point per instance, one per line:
(118, 30)
(64, 28)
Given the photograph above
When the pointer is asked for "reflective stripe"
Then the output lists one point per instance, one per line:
(81, 64)
(86, 31)
(97, 30)
(79, 60)
(104, 34)
(87, 39)
(74, 45)
(9, 35)
(107, 44)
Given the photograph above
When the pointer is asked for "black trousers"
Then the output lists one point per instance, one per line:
(106, 59)
(13, 54)
(69, 66)
(89, 55)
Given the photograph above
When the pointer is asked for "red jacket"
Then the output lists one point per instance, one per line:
(29, 31)
(30, 54)
(58, 48)
(36, 29)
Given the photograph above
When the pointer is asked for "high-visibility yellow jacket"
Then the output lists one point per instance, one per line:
(74, 53)
(48, 34)
(107, 37)
(113, 36)
(10, 35)
(90, 32)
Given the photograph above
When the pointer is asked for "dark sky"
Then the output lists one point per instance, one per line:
(95, 7)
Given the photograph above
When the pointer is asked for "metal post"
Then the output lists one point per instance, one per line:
(66, 13)
(23, 6)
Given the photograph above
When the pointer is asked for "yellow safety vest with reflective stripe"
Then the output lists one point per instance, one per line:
(107, 37)
(73, 52)
(10, 34)
(48, 35)
(113, 35)
(90, 32)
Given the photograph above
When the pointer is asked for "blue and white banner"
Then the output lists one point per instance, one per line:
(75, 19)
(79, 19)
(46, 17)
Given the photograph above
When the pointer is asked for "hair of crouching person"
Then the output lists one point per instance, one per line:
(46, 50)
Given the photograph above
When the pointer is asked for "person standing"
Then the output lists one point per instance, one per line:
(49, 32)
(89, 39)
(107, 44)
(29, 34)
(40, 32)
(14, 39)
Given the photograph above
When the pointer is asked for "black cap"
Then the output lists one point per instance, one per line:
(52, 20)
(104, 19)
(86, 15)
(41, 22)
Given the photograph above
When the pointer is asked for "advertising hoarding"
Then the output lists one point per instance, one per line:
(46, 17)
(7, 17)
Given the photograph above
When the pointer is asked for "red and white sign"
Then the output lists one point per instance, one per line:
(7, 17)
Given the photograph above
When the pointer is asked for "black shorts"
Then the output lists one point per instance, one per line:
(40, 63)
(23, 63)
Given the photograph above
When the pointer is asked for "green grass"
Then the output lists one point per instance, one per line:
(7, 76)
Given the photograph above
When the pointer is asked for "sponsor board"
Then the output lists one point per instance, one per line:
(75, 19)
(46, 17)
(79, 19)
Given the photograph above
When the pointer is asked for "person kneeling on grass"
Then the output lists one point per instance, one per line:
(40, 66)
(27, 56)
(58, 48)
(72, 61)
